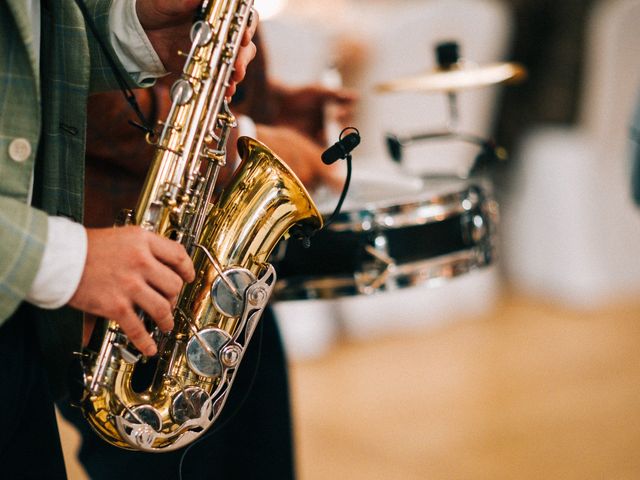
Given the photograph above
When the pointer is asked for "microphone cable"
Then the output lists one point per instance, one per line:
(340, 150)
(347, 180)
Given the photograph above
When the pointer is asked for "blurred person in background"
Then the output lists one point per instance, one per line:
(253, 436)
(549, 40)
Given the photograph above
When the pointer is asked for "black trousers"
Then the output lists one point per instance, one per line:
(250, 440)
(29, 440)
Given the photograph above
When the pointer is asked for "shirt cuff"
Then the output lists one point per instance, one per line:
(131, 44)
(62, 264)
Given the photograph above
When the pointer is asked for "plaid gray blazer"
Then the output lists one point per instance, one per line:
(46, 106)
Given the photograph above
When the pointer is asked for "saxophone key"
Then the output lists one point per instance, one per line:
(181, 92)
(228, 291)
(187, 404)
(201, 33)
(203, 352)
(127, 355)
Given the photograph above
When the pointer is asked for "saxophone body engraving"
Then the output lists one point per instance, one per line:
(229, 241)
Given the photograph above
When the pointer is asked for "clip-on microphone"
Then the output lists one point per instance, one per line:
(340, 150)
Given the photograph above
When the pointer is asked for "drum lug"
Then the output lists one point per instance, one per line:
(371, 279)
(477, 228)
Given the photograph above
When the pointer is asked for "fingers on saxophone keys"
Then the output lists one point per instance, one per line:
(173, 255)
(245, 55)
(157, 307)
(252, 26)
(163, 279)
(135, 331)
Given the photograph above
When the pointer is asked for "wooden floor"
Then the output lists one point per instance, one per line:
(530, 391)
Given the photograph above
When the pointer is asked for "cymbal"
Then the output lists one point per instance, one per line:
(455, 78)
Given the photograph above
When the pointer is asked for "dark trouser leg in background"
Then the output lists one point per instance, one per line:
(29, 440)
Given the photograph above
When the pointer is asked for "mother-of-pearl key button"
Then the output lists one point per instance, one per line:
(19, 149)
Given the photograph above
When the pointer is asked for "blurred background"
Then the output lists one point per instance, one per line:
(517, 355)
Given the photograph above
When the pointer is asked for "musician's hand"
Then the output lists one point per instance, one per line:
(302, 108)
(302, 155)
(129, 268)
(167, 24)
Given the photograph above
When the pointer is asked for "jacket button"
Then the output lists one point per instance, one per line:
(19, 149)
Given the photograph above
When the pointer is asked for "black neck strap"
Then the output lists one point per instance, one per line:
(129, 96)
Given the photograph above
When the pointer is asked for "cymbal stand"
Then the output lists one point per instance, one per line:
(447, 54)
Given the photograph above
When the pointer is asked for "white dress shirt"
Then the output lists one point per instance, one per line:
(65, 252)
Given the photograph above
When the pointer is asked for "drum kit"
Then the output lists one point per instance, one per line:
(403, 234)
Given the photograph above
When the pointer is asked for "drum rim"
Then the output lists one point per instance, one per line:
(389, 214)
(429, 272)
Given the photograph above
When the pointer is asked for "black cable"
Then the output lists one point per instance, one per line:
(343, 194)
(347, 180)
(305, 232)
(122, 83)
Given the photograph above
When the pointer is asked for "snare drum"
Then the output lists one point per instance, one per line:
(390, 238)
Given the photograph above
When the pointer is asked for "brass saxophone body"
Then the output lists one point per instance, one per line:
(229, 241)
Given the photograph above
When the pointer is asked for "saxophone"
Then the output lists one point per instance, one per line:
(229, 241)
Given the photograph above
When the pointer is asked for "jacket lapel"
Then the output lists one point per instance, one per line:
(23, 21)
